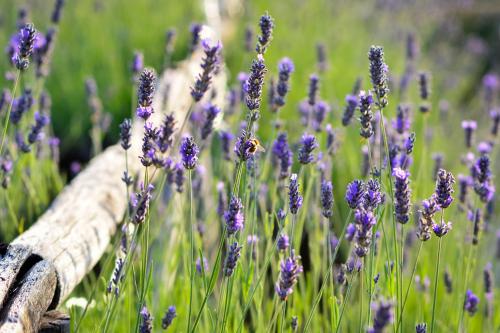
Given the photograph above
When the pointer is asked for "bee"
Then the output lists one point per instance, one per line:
(255, 146)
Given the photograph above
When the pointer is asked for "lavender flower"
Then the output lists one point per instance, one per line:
(372, 197)
(166, 133)
(402, 195)
(448, 283)
(349, 109)
(426, 221)
(23, 50)
(378, 73)
(402, 122)
(137, 63)
(289, 275)
(235, 220)
(281, 214)
(125, 134)
(326, 198)
(441, 229)
(444, 188)
(195, 30)
(330, 138)
(421, 328)
(249, 39)
(294, 323)
(140, 203)
(471, 302)
(410, 143)
(211, 112)
(116, 277)
(425, 90)
(189, 153)
(179, 177)
(313, 89)
(149, 144)
(169, 317)
(254, 83)
(321, 57)
(244, 148)
(146, 321)
(364, 220)
(476, 220)
(354, 193)
(145, 93)
(320, 110)
(41, 120)
(225, 140)
(495, 118)
(283, 242)
(56, 13)
(438, 163)
(366, 117)
(309, 143)
(382, 316)
(350, 232)
(488, 279)
(232, 259)
(285, 68)
(283, 154)
(464, 182)
(295, 198)
(21, 106)
(469, 127)
(266, 24)
(209, 66)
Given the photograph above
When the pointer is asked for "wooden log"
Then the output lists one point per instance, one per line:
(72, 235)
(55, 322)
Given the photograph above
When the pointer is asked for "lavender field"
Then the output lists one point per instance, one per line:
(253, 166)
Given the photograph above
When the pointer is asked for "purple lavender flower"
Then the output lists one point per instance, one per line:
(321, 108)
(378, 73)
(146, 321)
(254, 83)
(23, 46)
(425, 91)
(313, 89)
(469, 127)
(209, 65)
(484, 147)
(349, 109)
(125, 134)
(438, 163)
(321, 57)
(295, 198)
(464, 182)
(373, 197)
(140, 203)
(165, 136)
(195, 30)
(471, 302)
(225, 139)
(41, 120)
(364, 220)
(283, 154)
(410, 143)
(421, 328)
(281, 214)
(382, 316)
(444, 188)
(244, 148)
(116, 277)
(242, 79)
(366, 117)
(189, 152)
(488, 279)
(179, 177)
(442, 228)
(148, 144)
(235, 220)
(169, 317)
(145, 93)
(326, 198)
(294, 324)
(21, 106)
(199, 268)
(308, 144)
(233, 255)
(402, 195)
(137, 63)
(211, 112)
(249, 39)
(426, 221)
(330, 138)
(283, 242)
(354, 193)
(56, 13)
(402, 121)
(285, 68)
(266, 25)
(350, 232)
(289, 275)
(305, 112)
(495, 118)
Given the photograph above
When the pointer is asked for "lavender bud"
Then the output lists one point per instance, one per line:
(189, 153)
(373, 197)
(444, 188)
(35, 134)
(283, 242)
(410, 143)
(425, 90)
(378, 73)
(438, 163)
(225, 140)
(289, 275)
(125, 134)
(285, 68)
(477, 219)
(364, 220)
(469, 127)
(146, 321)
(402, 122)
(56, 14)
(321, 57)
(167, 130)
(116, 277)
(295, 198)
(145, 93)
(235, 220)
(249, 39)
(382, 316)
(495, 118)
(266, 24)
(326, 198)
(211, 112)
(471, 302)
(137, 63)
(195, 30)
(283, 154)
(448, 283)
(179, 177)
(354, 193)
(294, 323)
(349, 109)
(254, 83)
(366, 117)
(245, 148)
(232, 259)
(330, 138)
(320, 110)
(313, 89)
(402, 195)
(421, 328)
(309, 143)
(209, 66)
(168, 318)
(141, 204)
(441, 229)
(27, 39)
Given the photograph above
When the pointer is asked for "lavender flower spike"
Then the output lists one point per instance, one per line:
(285, 68)
(290, 270)
(354, 193)
(373, 197)
(232, 259)
(266, 24)
(211, 112)
(421, 328)
(326, 198)
(146, 321)
(350, 108)
(141, 204)
(283, 242)
(209, 65)
(402, 195)
(235, 220)
(366, 117)
(294, 194)
(469, 127)
(382, 316)
(444, 188)
(189, 152)
(471, 302)
(378, 73)
(145, 93)
(168, 318)
(254, 83)
(27, 38)
(309, 143)
(125, 134)
(283, 154)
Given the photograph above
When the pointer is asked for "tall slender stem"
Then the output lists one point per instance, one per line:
(7, 117)
(191, 249)
(436, 286)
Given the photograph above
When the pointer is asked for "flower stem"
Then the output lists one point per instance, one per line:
(436, 286)
(191, 249)
(7, 117)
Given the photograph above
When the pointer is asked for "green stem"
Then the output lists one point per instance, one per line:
(191, 249)
(7, 117)
(346, 298)
(436, 286)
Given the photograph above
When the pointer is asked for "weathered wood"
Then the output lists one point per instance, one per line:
(55, 322)
(73, 233)
(30, 300)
